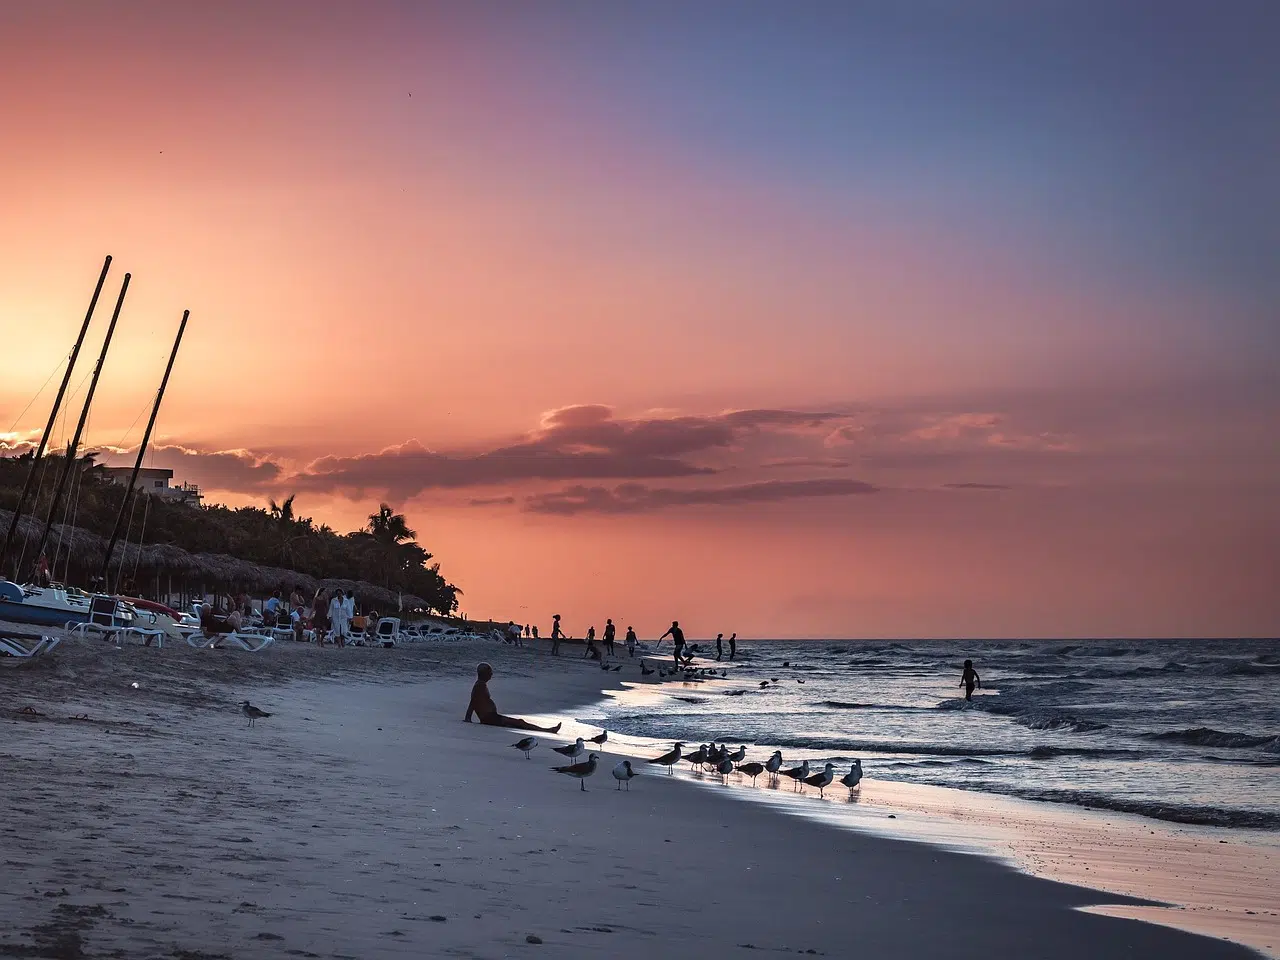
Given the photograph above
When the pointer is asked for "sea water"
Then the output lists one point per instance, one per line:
(1179, 730)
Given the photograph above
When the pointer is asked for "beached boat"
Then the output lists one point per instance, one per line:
(47, 606)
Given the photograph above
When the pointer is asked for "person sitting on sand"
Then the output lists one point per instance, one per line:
(969, 678)
(486, 710)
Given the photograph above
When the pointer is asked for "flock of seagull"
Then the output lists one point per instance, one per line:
(719, 759)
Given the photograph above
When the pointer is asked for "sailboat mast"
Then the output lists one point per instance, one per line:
(53, 419)
(142, 449)
(84, 416)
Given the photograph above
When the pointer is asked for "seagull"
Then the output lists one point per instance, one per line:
(763, 684)
(668, 760)
(798, 774)
(601, 739)
(571, 750)
(698, 757)
(645, 669)
(822, 780)
(579, 770)
(798, 680)
(724, 768)
(738, 755)
(252, 712)
(623, 774)
(853, 777)
(752, 770)
(526, 745)
(774, 764)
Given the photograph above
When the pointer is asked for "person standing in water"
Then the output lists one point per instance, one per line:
(719, 646)
(969, 678)
(610, 631)
(556, 635)
(733, 645)
(677, 638)
(631, 641)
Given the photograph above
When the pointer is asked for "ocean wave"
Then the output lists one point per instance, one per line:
(1156, 810)
(888, 707)
(1208, 737)
(1033, 718)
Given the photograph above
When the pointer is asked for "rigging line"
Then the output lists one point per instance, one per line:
(37, 395)
(145, 407)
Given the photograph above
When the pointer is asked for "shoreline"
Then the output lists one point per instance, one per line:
(353, 779)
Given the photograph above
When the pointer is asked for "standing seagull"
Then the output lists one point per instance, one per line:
(724, 768)
(252, 712)
(669, 760)
(571, 750)
(601, 739)
(698, 757)
(822, 780)
(623, 774)
(738, 755)
(579, 770)
(798, 774)
(774, 764)
(853, 777)
(752, 770)
(526, 745)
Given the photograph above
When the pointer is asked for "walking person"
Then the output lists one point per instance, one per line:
(556, 635)
(349, 608)
(338, 619)
(320, 615)
(609, 631)
(719, 646)
(969, 678)
(631, 641)
(677, 638)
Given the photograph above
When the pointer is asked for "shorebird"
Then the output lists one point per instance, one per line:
(738, 755)
(763, 684)
(252, 712)
(822, 780)
(798, 774)
(853, 777)
(526, 745)
(645, 669)
(774, 764)
(600, 739)
(724, 768)
(570, 750)
(668, 760)
(698, 757)
(798, 680)
(752, 770)
(623, 774)
(579, 770)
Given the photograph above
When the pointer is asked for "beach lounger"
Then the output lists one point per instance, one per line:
(104, 619)
(253, 642)
(388, 632)
(22, 646)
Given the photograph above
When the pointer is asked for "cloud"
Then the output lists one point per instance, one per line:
(238, 469)
(824, 463)
(976, 486)
(492, 501)
(582, 442)
(638, 498)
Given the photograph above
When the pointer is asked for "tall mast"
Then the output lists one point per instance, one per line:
(84, 416)
(142, 449)
(53, 417)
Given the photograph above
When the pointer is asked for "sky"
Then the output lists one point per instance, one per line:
(858, 319)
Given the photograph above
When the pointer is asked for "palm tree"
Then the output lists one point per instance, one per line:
(389, 528)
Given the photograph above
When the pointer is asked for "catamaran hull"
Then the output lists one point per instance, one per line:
(44, 616)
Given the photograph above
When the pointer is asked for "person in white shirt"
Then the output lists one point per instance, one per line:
(338, 619)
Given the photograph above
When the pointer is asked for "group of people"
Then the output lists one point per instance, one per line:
(332, 617)
(684, 653)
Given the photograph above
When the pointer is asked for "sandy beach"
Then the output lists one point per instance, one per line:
(144, 818)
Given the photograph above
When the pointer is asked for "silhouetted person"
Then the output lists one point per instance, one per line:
(591, 650)
(556, 635)
(609, 631)
(631, 641)
(733, 645)
(969, 678)
(719, 645)
(486, 711)
(677, 638)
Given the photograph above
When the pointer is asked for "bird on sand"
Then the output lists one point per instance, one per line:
(853, 777)
(645, 669)
(526, 745)
(752, 770)
(738, 755)
(579, 770)
(698, 757)
(774, 764)
(798, 774)
(724, 768)
(570, 750)
(252, 712)
(822, 780)
(600, 739)
(623, 774)
(763, 684)
(668, 760)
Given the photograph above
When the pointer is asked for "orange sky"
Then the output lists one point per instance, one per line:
(1000, 402)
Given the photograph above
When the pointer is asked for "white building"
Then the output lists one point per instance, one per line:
(156, 483)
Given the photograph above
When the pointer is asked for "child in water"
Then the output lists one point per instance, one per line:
(969, 678)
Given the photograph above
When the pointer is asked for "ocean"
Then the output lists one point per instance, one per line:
(1178, 730)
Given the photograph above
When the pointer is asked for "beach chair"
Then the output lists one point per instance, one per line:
(150, 635)
(21, 647)
(104, 618)
(253, 642)
(388, 632)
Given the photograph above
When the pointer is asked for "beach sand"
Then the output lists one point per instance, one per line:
(364, 819)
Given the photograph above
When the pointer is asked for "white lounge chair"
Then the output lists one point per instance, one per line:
(253, 642)
(388, 632)
(104, 618)
(20, 647)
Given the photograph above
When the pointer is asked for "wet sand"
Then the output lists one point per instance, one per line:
(364, 820)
